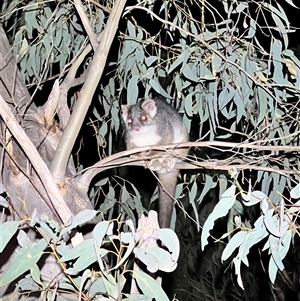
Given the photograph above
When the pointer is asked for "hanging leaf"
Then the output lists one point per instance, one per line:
(221, 209)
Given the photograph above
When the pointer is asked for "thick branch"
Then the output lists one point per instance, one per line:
(85, 21)
(71, 131)
(36, 161)
(124, 158)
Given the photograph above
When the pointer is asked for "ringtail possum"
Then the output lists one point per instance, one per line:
(155, 122)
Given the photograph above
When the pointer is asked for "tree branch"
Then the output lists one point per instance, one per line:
(125, 158)
(37, 162)
(86, 23)
(96, 68)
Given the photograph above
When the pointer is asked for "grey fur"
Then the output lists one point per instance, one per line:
(154, 122)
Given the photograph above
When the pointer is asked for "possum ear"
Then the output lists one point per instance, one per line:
(124, 112)
(149, 107)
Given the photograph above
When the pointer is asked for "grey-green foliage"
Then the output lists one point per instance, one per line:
(219, 75)
(46, 35)
(111, 252)
(271, 224)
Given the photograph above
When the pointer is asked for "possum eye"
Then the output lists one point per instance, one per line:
(143, 118)
(129, 121)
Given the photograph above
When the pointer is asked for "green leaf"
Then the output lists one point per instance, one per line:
(282, 81)
(27, 284)
(81, 218)
(132, 90)
(76, 24)
(241, 6)
(233, 244)
(101, 182)
(111, 286)
(252, 238)
(97, 288)
(149, 287)
(36, 274)
(189, 74)
(193, 191)
(209, 184)
(239, 106)
(271, 223)
(252, 29)
(23, 50)
(154, 83)
(290, 2)
(188, 105)
(262, 102)
(169, 238)
(109, 201)
(30, 21)
(147, 258)
(24, 260)
(221, 209)
(137, 201)
(237, 264)
(7, 231)
(125, 196)
(194, 29)
(177, 62)
(284, 247)
(295, 193)
(127, 238)
(274, 248)
(226, 96)
(140, 56)
(80, 251)
(103, 131)
(254, 198)
(163, 260)
(131, 29)
(32, 61)
(277, 61)
(58, 35)
(99, 232)
(150, 60)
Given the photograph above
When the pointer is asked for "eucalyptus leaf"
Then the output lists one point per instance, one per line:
(36, 274)
(170, 240)
(189, 74)
(176, 63)
(255, 197)
(7, 230)
(111, 286)
(154, 83)
(149, 259)
(233, 244)
(295, 192)
(149, 287)
(23, 261)
(252, 29)
(271, 223)
(150, 60)
(132, 90)
(81, 218)
(221, 209)
(99, 232)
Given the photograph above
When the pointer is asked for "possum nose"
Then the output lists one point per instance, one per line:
(136, 127)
